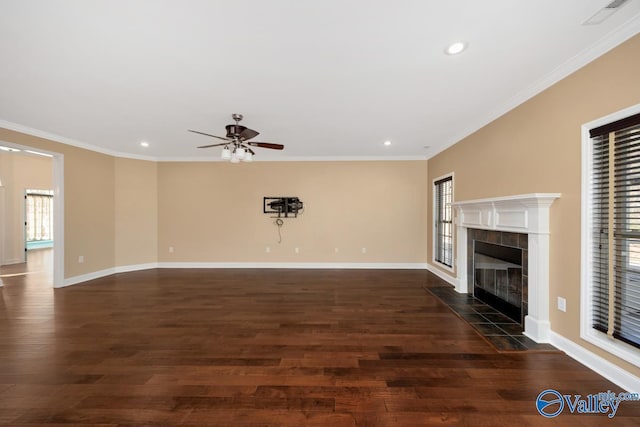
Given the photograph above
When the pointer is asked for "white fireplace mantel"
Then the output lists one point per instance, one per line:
(524, 213)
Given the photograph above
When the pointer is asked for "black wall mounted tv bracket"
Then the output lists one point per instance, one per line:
(282, 207)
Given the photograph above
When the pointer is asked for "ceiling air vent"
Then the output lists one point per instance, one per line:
(601, 15)
(615, 4)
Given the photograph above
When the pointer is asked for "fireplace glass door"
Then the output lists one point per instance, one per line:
(498, 277)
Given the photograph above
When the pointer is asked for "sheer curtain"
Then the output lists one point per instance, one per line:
(39, 215)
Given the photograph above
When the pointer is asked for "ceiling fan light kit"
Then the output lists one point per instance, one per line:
(237, 145)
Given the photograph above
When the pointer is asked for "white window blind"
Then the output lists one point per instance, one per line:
(615, 219)
(443, 218)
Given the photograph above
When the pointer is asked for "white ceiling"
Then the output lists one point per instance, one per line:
(329, 79)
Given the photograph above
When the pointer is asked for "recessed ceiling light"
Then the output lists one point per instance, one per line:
(144, 144)
(455, 48)
(387, 143)
(3, 148)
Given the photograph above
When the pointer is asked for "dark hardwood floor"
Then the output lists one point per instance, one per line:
(266, 348)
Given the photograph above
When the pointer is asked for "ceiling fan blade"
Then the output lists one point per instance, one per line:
(213, 145)
(206, 134)
(266, 145)
(248, 134)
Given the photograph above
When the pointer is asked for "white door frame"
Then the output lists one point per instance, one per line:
(58, 220)
(2, 215)
(58, 210)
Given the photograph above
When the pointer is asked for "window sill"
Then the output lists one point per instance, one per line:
(613, 346)
(443, 266)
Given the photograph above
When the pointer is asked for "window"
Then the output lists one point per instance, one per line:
(443, 221)
(39, 215)
(611, 222)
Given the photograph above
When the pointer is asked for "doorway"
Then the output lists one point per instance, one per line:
(23, 225)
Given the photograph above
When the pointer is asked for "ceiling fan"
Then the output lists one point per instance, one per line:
(237, 144)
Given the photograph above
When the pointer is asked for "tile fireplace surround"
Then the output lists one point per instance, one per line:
(527, 214)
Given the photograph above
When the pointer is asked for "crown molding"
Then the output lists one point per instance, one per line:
(570, 66)
(75, 143)
(69, 141)
(300, 159)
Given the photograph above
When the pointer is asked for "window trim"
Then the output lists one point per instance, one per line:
(611, 345)
(434, 225)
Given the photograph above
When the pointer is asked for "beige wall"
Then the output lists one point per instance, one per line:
(89, 212)
(212, 212)
(18, 173)
(110, 206)
(88, 203)
(121, 212)
(537, 148)
(136, 212)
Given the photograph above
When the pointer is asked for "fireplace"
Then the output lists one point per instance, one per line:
(519, 221)
(497, 277)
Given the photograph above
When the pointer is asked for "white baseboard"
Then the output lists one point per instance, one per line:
(613, 373)
(537, 330)
(86, 277)
(285, 265)
(107, 272)
(453, 281)
(135, 267)
(295, 265)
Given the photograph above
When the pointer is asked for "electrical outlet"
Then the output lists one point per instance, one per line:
(170, 249)
(81, 259)
(267, 249)
(297, 250)
(562, 304)
(364, 250)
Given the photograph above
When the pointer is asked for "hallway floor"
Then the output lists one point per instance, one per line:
(37, 272)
